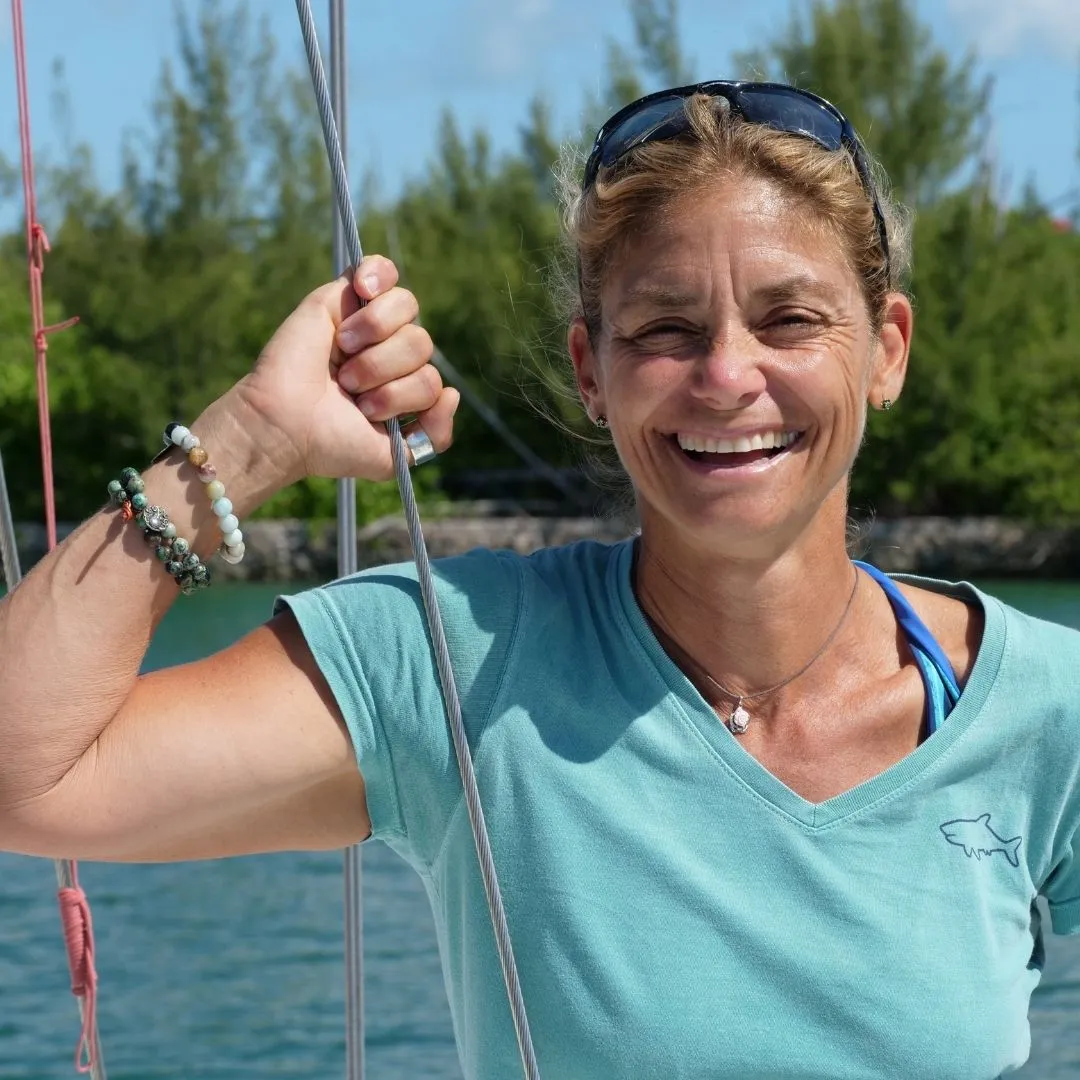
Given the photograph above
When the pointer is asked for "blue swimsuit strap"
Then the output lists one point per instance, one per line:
(942, 689)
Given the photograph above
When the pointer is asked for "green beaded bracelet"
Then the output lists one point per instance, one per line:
(181, 563)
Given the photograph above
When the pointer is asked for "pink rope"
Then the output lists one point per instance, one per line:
(79, 941)
(37, 243)
(74, 908)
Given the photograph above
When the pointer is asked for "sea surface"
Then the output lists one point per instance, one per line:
(233, 969)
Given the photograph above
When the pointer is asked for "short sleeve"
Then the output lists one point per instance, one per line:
(1062, 889)
(368, 634)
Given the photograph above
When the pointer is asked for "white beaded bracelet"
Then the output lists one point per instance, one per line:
(232, 546)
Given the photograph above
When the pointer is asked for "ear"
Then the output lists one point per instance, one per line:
(892, 351)
(586, 368)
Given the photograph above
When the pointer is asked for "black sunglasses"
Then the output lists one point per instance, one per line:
(797, 112)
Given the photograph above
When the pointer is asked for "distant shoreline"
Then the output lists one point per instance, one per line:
(953, 548)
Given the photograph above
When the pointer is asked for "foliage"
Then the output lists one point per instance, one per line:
(222, 223)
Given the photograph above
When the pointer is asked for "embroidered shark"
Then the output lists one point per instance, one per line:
(978, 839)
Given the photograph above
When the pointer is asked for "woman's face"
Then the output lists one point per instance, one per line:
(734, 363)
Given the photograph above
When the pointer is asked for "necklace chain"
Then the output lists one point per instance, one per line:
(739, 719)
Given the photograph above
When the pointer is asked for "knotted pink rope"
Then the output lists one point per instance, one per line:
(79, 941)
(74, 909)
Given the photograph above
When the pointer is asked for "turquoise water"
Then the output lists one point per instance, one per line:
(229, 969)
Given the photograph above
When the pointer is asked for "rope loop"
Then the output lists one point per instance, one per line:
(79, 943)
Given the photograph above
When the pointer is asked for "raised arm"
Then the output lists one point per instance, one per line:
(244, 751)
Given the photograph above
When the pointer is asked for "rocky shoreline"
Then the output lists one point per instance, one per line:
(955, 548)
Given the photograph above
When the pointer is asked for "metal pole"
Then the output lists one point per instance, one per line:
(346, 521)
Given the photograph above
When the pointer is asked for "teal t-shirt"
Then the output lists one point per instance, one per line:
(676, 911)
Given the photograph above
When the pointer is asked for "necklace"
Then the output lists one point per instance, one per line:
(739, 719)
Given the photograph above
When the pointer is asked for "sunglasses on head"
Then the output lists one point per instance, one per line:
(662, 115)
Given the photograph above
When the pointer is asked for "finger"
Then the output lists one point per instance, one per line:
(413, 393)
(438, 421)
(407, 351)
(377, 321)
(375, 275)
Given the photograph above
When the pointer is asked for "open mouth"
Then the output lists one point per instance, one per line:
(732, 453)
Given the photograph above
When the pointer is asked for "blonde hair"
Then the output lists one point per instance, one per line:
(719, 145)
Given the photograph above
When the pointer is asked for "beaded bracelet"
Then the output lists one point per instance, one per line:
(181, 563)
(232, 547)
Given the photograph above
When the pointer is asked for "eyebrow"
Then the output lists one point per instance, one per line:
(657, 294)
(673, 298)
(796, 287)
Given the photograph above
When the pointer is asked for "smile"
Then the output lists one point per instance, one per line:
(736, 450)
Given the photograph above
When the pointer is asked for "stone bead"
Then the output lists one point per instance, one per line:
(215, 490)
(189, 442)
(128, 474)
(115, 487)
(233, 539)
(201, 574)
(169, 532)
(135, 486)
(198, 456)
(222, 507)
(120, 497)
(151, 537)
(163, 553)
(187, 586)
(228, 523)
(179, 434)
(173, 567)
(139, 501)
(140, 520)
(207, 473)
(181, 546)
(191, 561)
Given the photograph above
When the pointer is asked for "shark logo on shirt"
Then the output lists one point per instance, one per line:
(978, 839)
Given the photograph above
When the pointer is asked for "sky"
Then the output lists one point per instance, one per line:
(484, 59)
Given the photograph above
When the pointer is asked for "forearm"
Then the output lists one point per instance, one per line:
(73, 635)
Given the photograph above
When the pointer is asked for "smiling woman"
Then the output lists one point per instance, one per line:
(754, 806)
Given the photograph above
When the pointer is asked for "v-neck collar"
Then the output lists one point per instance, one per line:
(752, 773)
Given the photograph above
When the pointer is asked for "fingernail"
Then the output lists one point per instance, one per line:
(348, 341)
(347, 381)
(371, 283)
(366, 407)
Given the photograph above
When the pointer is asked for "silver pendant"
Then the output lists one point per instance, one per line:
(739, 720)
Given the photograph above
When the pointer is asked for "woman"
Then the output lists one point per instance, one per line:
(757, 811)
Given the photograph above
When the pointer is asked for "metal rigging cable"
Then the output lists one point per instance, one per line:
(427, 584)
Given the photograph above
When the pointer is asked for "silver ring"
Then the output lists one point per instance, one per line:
(416, 439)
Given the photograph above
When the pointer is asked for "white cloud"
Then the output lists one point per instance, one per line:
(508, 32)
(1002, 27)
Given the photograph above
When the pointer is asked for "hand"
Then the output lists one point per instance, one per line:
(335, 371)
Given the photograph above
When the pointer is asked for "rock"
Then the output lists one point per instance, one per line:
(955, 548)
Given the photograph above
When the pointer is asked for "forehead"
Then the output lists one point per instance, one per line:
(748, 233)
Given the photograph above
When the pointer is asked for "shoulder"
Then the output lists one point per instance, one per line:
(964, 619)
(482, 593)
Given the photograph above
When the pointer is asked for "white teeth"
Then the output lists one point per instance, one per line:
(769, 440)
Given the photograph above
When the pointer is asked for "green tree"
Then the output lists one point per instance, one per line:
(920, 113)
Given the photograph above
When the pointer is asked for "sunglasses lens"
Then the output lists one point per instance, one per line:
(638, 127)
(792, 112)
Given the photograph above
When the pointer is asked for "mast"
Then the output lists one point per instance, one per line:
(346, 524)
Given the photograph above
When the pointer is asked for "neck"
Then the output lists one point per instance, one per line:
(746, 622)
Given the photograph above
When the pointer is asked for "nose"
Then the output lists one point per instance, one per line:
(729, 376)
